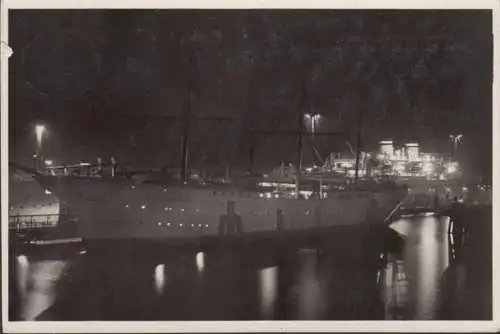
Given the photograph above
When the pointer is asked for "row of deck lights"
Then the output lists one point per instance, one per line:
(169, 224)
(143, 207)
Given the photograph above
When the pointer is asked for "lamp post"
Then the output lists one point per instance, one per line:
(39, 131)
(313, 120)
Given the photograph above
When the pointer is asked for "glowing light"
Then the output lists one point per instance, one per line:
(276, 195)
(427, 157)
(399, 167)
(23, 260)
(268, 291)
(261, 195)
(84, 164)
(126, 205)
(268, 195)
(143, 207)
(39, 130)
(181, 225)
(159, 277)
(182, 210)
(48, 192)
(200, 262)
(428, 168)
(49, 162)
(159, 223)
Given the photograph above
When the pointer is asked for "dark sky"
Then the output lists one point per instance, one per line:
(416, 75)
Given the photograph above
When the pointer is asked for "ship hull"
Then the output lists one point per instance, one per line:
(114, 209)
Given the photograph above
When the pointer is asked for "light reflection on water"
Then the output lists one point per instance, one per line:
(307, 287)
(159, 278)
(268, 291)
(422, 264)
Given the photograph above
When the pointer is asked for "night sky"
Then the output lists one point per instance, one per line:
(88, 74)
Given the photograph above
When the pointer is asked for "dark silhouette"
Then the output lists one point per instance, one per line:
(231, 222)
(456, 225)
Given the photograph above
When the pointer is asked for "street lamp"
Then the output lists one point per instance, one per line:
(39, 131)
(455, 140)
(313, 119)
(37, 157)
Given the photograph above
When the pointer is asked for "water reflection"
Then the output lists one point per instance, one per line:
(395, 290)
(159, 278)
(200, 262)
(423, 262)
(268, 282)
(308, 289)
(36, 281)
(339, 282)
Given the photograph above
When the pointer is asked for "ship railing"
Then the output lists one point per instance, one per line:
(21, 222)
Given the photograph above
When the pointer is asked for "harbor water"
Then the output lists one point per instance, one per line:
(332, 283)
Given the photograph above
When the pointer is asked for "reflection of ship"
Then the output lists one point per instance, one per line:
(35, 211)
(395, 290)
(118, 207)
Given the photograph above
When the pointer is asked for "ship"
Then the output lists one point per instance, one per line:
(110, 203)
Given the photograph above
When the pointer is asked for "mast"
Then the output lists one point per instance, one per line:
(186, 124)
(300, 130)
(358, 143)
(251, 151)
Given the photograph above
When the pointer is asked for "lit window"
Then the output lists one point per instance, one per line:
(206, 225)
(199, 225)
